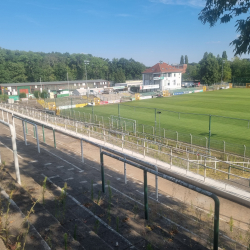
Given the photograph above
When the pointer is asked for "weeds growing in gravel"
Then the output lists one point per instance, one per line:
(5, 231)
(65, 236)
(97, 225)
(231, 224)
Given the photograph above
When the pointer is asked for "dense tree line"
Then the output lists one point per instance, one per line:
(213, 69)
(20, 66)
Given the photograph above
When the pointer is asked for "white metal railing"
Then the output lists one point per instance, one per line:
(145, 148)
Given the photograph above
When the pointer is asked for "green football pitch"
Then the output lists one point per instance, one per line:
(189, 115)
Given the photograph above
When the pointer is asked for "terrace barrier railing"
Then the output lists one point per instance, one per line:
(201, 164)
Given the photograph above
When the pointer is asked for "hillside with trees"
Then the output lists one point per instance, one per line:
(21, 66)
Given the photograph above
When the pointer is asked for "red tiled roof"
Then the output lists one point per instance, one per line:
(164, 68)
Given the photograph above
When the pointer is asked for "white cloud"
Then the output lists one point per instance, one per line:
(123, 15)
(192, 3)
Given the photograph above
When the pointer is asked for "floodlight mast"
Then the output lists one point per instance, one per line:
(87, 62)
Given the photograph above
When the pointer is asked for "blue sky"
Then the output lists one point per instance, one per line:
(145, 30)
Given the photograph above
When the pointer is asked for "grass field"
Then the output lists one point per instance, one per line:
(189, 114)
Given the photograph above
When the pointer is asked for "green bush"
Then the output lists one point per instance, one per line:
(22, 95)
(36, 94)
(44, 94)
(4, 98)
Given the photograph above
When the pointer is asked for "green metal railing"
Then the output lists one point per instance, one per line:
(172, 179)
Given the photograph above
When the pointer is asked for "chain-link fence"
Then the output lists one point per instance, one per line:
(225, 134)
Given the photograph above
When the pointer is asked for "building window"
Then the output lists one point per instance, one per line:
(83, 84)
(169, 74)
(168, 83)
(174, 74)
(94, 83)
(174, 82)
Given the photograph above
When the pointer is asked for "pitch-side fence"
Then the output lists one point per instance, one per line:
(140, 166)
(210, 131)
(202, 165)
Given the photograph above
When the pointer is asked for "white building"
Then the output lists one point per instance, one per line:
(163, 77)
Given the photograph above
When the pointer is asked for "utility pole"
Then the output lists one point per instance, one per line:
(68, 79)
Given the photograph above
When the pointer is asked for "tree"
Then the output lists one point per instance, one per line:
(226, 73)
(209, 69)
(182, 60)
(224, 55)
(22, 95)
(36, 93)
(225, 11)
(120, 76)
(186, 59)
(44, 94)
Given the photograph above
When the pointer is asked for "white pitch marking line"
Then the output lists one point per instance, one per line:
(81, 171)
(60, 167)
(108, 175)
(118, 179)
(95, 184)
(83, 181)
(70, 169)
(33, 161)
(47, 164)
(71, 178)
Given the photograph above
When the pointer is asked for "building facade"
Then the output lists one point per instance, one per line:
(163, 76)
(14, 89)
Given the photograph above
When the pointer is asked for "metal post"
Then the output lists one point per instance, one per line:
(24, 134)
(34, 132)
(229, 170)
(8, 117)
(102, 171)
(82, 151)
(54, 134)
(144, 151)
(156, 186)
(206, 141)
(209, 136)
(43, 135)
(216, 222)
(155, 118)
(171, 158)
(176, 136)
(125, 172)
(191, 139)
(26, 127)
(143, 129)
(205, 169)
(164, 133)
(224, 146)
(188, 163)
(145, 194)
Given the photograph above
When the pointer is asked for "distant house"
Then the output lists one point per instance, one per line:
(163, 76)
